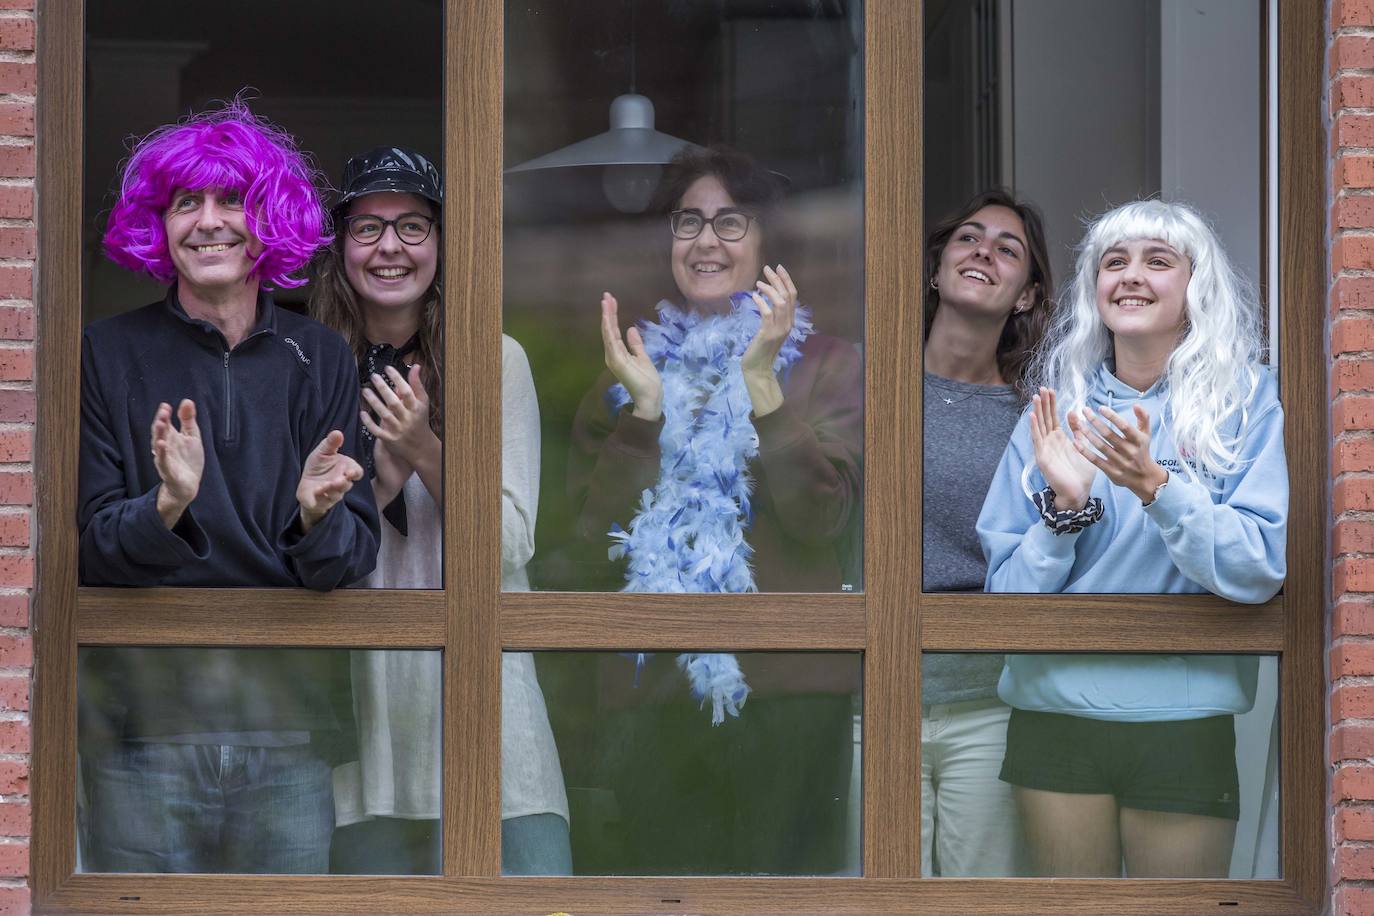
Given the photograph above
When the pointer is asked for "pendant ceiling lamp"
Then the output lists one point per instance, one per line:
(631, 154)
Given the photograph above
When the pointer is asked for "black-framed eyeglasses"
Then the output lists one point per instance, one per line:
(728, 225)
(411, 228)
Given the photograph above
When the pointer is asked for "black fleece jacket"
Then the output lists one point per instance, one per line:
(262, 407)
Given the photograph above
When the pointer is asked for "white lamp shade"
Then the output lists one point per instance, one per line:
(631, 140)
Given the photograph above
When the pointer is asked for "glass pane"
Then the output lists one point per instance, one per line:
(222, 233)
(259, 761)
(656, 787)
(728, 455)
(1106, 766)
(1155, 327)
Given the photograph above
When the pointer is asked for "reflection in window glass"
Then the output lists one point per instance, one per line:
(687, 443)
(654, 787)
(1137, 766)
(259, 761)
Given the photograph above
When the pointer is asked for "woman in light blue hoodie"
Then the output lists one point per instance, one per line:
(1150, 460)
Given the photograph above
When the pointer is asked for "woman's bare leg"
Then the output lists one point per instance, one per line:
(1159, 844)
(1070, 835)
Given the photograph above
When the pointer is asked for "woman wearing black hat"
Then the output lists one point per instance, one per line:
(379, 286)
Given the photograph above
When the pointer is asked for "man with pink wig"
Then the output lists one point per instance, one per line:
(217, 441)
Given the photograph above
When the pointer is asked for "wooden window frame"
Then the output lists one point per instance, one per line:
(474, 621)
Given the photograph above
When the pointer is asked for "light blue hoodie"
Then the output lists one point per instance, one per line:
(1230, 541)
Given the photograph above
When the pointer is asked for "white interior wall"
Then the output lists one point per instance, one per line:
(1084, 93)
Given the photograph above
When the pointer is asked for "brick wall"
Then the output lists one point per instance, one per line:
(1351, 70)
(18, 84)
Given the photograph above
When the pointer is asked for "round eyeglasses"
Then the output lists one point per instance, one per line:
(411, 228)
(728, 225)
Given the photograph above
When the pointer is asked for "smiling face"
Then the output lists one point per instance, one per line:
(1142, 287)
(985, 266)
(209, 242)
(388, 274)
(706, 269)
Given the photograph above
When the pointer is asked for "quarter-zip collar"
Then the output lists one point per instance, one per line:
(207, 335)
(210, 337)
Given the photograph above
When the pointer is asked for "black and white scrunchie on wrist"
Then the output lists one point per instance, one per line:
(1065, 521)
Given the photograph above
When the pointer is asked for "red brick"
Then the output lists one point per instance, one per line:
(14, 737)
(1349, 292)
(1348, 742)
(16, 572)
(16, 4)
(17, 405)
(16, 531)
(1351, 659)
(1352, 335)
(1344, 13)
(1355, 823)
(1351, 374)
(1351, 574)
(16, 322)
(14, 819)
(14, 693)
(1354, 863)
(18, 76)
(1351, 536)
(1354, 92)
(1353, 412)
(1353, 701)
(16, 364)
(1353, 900)
(1355, 211)
(16, 242)
(1351, 454)
(14, 901)
(1352, 494)
(16, 161)
(1353, 52)
(14, 777)
(16, 34)
(1351, 782)
(17, 283)
(14, 612)
(1356, 171)
(16, 488)
(16, 120)
(16, 652)
(16, 201)
(1348, 618)
(1353, 252)
(16, 445)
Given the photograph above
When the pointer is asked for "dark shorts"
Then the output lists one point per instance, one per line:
(1185, 767)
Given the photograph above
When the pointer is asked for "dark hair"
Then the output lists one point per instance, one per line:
(1022, 332)
(753, 187)
(333, 302)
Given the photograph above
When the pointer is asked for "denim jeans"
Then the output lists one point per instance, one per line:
(969, 822)
(207, 808)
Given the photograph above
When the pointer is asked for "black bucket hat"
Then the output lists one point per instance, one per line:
(390, 168)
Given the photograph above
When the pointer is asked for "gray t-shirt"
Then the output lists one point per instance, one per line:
(966, 430)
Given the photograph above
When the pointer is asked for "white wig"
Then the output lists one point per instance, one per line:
(1212, 372)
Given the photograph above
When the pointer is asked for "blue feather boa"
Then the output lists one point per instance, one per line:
(688, 533)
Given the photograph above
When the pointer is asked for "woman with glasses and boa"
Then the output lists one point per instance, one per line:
(723, 452)
(379, 286)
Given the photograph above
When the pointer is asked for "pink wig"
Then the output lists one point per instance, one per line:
(229, 149)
